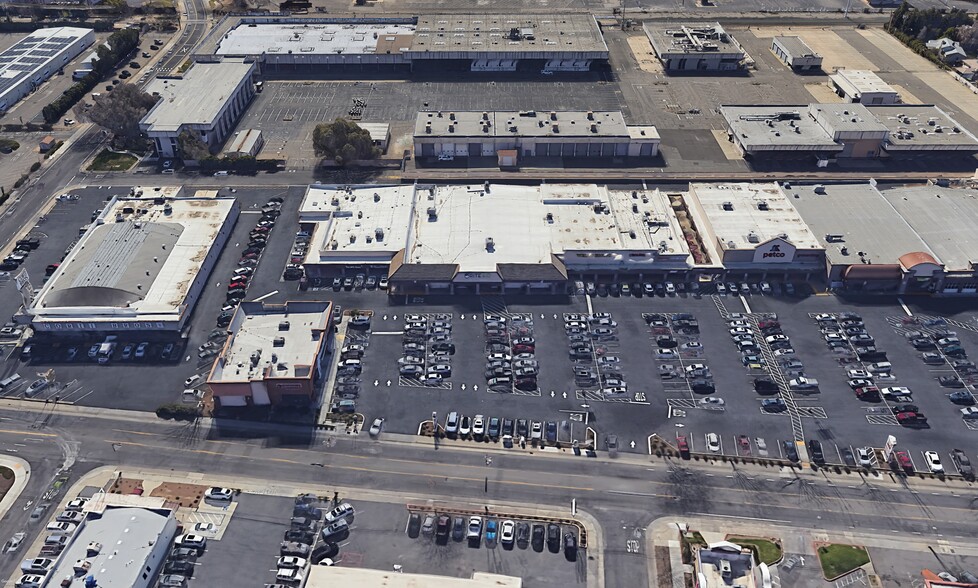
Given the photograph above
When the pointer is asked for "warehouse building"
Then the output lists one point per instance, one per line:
(754, 231)
(140, 267)
(245, 143)
(796, 54)
(117, 546)
(869, 247)
(380, 134)
(590, 134)
(830, 131)
(489, 238)
(276, 355)
(29, 62)
(864, 87)
(568, 42)
(207, 101)
(702, 47)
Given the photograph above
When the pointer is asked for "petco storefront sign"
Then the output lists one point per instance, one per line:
(775, 251)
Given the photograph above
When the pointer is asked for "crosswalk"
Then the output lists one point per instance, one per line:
(494, 305)
(416, 383)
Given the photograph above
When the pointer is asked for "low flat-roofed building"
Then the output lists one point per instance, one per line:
(945, 218)
(275, 355)
(380, 133)
(864, 237)
(245, 143)
(29, 62)
(483, 42)
(579, 134)
(489, 238)
(863, 86)
(777, 130)
(917, 128)
(699, 47)
(852, 126)
(118, 546)
(796, 54)
(332, 576)
(141, 266)
(207, 101)
(725, 564)
(754, 230)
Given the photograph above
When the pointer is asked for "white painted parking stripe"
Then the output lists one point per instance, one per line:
(746, 306)
(904, 307)
(260, 298)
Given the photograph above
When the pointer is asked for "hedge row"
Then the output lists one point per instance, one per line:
(179, 412)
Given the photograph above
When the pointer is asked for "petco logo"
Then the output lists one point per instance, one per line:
(774, 252)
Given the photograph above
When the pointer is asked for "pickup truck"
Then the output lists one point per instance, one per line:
(802, 383)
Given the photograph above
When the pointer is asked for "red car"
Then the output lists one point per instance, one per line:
(683, 446)
(238, 284)
(911, 418)
(902, 459)
(523, 349)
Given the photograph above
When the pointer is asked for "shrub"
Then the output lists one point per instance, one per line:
(35, 166)
(179, 412)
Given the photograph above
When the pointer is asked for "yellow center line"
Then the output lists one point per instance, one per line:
(29, 433)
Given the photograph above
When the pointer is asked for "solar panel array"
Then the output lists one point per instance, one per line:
(28, 55)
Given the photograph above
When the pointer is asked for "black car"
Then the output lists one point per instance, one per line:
(551, 432)
(522, 535)
(522, 428)
(553, 537)
(815, 449)
(184, 568)
(458, 529)
(442, 527)
(493, 428)
(507, 427)
(790, 453)
(765, 386)
(898, 408)
(537, 537)
(702, 386)
(414, 525)
(570, 545)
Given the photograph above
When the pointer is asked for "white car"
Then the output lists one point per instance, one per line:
(30, 581)
(738, 323)
(775, 338)
(934, 462)
(289, 576)
(536, 430)
(895, 391)
(189, 382)
(344, 511)
(824, 318)
(864, 456)
(216, 493)
(713, 442)
(695, 367)
(291, 562)
(479, 425)
(969, 412)
(507, 532)
(376, 427)
(76, 504)
(61, 527)
(739, 331)
(192, 541)
(205, 528)
(712, 401)
(784, 352)
(360, 320)
(858, 374)
(499, 357)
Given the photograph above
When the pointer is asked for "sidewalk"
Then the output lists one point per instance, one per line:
(152, 478)
(22, 474)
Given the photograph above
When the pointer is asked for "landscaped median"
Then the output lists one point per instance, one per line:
(839, 559)
(112, 161)
(767, 550)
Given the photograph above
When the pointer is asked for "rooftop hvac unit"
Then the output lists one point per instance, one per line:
(783, 236)
(255, 358)
(376, 197)
(834, 238)
(490, 245)
(819, 189)
(278, 342)
(590, 115)
(550, 217)
(379, 234)
(763, 205)
(553, 115)
(555, 127)
(353, 238)
(753, 238)
(594, 128)
(451, 116)
(283, 326)
(485, 115)
(432, 214)
(728, 205)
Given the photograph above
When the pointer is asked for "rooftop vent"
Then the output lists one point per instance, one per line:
(834, 238)
(278, 342)
(432, 214)
(379, 234)
(376, 197)
(283, 326)
(553, 115)
(763, 205)
(728, 205)
(490, 245)
(752, 237)
(819, 189)
(590, 115)
(94, 548)
(451, 116)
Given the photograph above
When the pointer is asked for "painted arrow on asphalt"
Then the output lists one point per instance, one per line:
(565, 394)
(632, 444)
(376, 383)
(552, 393)
(475, 387)
(388, 382)
(463, 386)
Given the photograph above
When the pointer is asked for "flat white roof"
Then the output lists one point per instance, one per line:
(135, 265)
(746, 225)
(856, 82)
(272, 341)
(195, 99)
(348, 221)
(127, 536)
(312, 39)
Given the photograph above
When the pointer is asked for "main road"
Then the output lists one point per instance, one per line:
(193, 28)
(622, 494)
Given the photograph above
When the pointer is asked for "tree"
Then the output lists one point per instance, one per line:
(968, 37)
(120, 112)
(344, 141)
(191, 147)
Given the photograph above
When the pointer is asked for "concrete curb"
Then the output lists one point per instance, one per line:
(22, 474)
(595, 576)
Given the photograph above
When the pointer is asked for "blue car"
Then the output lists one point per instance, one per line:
(491, 530)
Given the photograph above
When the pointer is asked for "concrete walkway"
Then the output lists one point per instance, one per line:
(152, 478)
(22, 474)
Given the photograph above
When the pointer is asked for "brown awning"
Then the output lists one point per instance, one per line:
(873, 272)
(910, 260)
